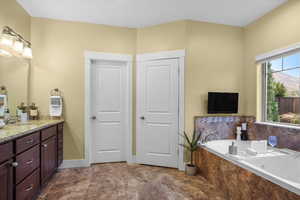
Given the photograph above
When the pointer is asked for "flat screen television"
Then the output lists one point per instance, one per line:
(226, 103)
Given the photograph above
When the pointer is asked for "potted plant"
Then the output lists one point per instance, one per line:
(191, 146)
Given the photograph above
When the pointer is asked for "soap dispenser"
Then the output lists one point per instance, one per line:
(233, 149)
(244, 135)
(238, 133)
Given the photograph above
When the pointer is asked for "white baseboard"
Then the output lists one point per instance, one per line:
(132, 160)
(84, 163)
(74, 164)
(181, 166)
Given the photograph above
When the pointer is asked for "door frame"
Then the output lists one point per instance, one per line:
(89, 57)
(180, 55)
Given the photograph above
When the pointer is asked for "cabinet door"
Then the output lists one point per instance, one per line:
(6, 181)
(60, 144)
(48, 158)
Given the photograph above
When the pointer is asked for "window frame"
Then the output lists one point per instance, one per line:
(264, 91)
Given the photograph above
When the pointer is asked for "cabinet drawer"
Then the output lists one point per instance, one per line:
(48, 132)
(26, 142)
(6, 151)
(28, 188)
(27, 163)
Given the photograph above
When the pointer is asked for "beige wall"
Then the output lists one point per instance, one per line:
(219, 58)
(278, 29)
(14, 71)
(66, 62)
(214, 62)
(162, 37)
(59, 62)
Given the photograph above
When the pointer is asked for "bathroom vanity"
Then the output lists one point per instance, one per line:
(29, 155)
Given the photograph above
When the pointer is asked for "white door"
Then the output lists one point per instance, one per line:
(157, 113)
(109, 107)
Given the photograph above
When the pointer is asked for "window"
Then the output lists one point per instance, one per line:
(281, 89)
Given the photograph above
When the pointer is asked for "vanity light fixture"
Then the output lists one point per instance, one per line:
(27, 52)
(18, 46)
(5, 53)
(12, 43)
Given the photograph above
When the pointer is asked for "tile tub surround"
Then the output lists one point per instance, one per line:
(287, 137)
(120, 181)
(238, 183)
(13, 131)
(225, 128)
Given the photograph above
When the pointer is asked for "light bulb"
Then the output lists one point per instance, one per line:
(18, 46)
(27, 53)
(5, 53)
(6, 40)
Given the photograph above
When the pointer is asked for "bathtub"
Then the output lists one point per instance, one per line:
(280, 166)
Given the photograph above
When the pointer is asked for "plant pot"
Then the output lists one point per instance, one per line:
(190, 170)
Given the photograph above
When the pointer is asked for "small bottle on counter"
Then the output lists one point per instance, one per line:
(244, 135)
(33, 112)
(233, 149)
(238, 133)
(22, 112)
(6, 114)
(21, 108)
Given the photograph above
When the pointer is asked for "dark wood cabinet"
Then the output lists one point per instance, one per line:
(48, 132)
(6, 181)
(26, 142)
(48, 158)
(6, 152)
(29, 187)
(28, 162)
(60, 144)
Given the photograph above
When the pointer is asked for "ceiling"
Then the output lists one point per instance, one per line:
(141, 13)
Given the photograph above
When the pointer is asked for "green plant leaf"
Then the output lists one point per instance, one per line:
(187, 138)
(195, 141)
(186, 147)
(194, 135)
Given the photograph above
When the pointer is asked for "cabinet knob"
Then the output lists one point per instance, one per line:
(142, 118)
(93, 117)
(14, 164)
(45, 145)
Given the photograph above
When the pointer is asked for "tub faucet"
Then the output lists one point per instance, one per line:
(206, 138)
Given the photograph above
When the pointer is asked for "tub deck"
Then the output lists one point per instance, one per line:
(236, 182)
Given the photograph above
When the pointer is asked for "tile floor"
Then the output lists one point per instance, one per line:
(120, 181)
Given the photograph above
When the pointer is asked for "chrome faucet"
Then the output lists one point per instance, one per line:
(207, 136)
(10, 120)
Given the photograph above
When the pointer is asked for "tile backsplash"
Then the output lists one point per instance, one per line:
(224, 127)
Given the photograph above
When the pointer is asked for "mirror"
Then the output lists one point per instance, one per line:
(14, 75)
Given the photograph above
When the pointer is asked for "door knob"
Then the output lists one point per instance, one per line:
(94, 118)
(142, 118)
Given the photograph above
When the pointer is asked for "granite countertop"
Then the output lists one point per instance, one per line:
(13, 131)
